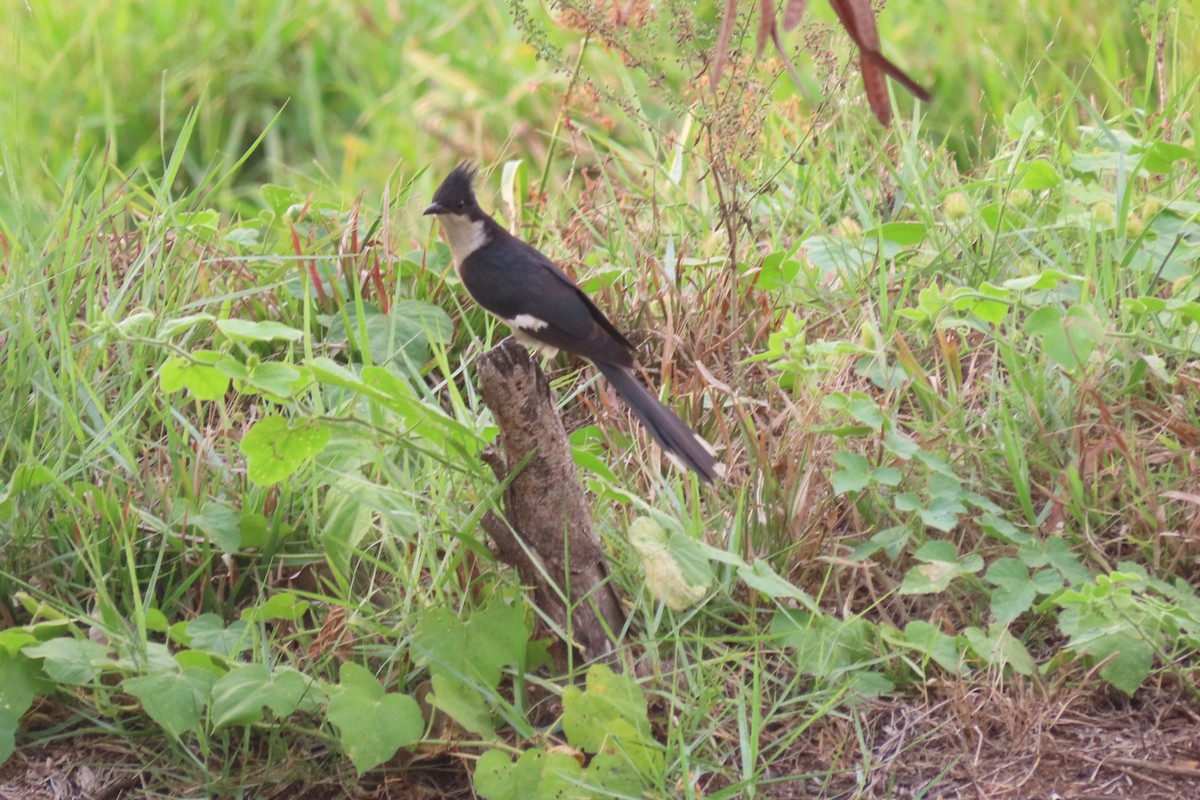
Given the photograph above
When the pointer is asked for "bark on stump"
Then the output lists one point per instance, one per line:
(548, 535)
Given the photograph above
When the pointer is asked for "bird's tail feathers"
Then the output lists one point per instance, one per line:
(682, 446)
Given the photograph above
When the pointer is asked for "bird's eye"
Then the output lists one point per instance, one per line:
(462, 203)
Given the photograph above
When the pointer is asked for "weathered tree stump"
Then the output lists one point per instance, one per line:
(547, 532)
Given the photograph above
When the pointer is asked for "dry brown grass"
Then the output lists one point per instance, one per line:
(972, 740)
(963, 739)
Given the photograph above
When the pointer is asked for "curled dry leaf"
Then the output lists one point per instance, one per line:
(766, 26)
(875, 85)
(859, 22)
(794, 13)
(783, 56)
(723, 39)
(900, 76)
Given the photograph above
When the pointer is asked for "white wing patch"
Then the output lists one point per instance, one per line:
(527, 322)
(708, 448)
(522, 325)
(677, 462)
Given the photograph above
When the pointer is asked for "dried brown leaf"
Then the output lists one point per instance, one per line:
(766, 25)
(783, 56)
(875, 84)
(794, 13)
(723, 39)
(899, 75)
(859, 22)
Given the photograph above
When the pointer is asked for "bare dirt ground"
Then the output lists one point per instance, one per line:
(984, 744)
(962, 742)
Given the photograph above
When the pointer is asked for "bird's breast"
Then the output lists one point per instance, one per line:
(464, 236)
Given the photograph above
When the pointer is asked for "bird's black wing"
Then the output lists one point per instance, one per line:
(517, 283)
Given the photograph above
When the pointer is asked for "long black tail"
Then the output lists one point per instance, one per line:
(682, 446)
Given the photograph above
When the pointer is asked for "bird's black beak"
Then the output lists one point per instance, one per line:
(434, 208)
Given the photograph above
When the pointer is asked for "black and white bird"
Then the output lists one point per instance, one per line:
(547, 311)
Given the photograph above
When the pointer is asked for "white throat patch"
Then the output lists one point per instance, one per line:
(464, 235)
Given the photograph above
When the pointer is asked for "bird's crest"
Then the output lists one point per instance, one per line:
(457, 191)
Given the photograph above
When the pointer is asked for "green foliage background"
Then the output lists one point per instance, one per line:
(239, 476)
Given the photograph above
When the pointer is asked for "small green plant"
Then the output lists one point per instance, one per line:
(194, 686)
(611, 749)
(1125, 620)
(372, 723)
(951, 366)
